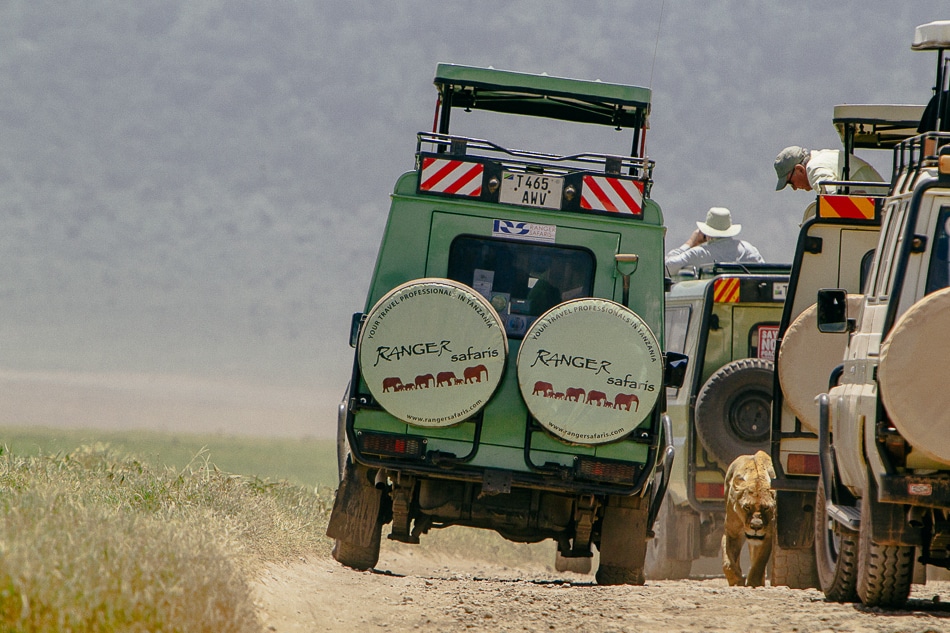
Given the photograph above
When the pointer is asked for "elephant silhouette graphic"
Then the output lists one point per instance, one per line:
(546, 389)
(625, 400)
(474, 374)
(596, 397)
(574, 394)
(425, 381)
(392, 384)
(446, 378)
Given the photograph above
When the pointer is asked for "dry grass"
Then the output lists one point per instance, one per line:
(92, 542)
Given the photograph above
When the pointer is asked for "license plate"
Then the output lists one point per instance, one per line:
(531, 190)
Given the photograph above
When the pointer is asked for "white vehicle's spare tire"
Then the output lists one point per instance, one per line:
(806, 359)
(734, 409)
(912, 375)
(590, 371)
(432, 352)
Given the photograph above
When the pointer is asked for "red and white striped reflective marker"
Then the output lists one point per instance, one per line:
(456, 177)
(612, 194)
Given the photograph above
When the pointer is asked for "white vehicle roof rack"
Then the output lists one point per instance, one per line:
(876, 126)
(933, 36)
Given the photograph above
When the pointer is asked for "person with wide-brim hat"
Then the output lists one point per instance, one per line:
(713, 241)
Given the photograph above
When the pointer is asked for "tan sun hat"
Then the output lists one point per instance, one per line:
(719, 223)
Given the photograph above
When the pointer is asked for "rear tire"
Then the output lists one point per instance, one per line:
(885, 572)
(623, 541)
(355, 523)
(659, 563)
(836, 553)
(793, 567)
(356, 557)
(734, 409)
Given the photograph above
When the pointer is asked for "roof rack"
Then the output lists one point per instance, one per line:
(541, 95)
(718, 268)
(877, 126)
(528, 161)
(918, 153)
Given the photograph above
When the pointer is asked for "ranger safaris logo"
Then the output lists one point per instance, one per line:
(590, 371)
(432, 352)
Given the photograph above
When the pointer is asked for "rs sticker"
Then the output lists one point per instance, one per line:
(524, 230)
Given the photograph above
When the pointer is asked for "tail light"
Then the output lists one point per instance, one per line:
(391, 445)
(604, 470)
(803, 464)
(710, 491)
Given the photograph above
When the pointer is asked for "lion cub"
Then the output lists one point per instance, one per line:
(750, 510)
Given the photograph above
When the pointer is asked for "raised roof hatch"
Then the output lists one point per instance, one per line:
(876, 126)
(933, 36)
(543, 95)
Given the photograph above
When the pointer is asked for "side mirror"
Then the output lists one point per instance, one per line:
(356, 322)
(833, 311)
(674, 373)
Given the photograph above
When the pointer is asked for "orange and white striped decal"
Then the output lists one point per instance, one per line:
(456, 177)
(726, 290)
(846, 207)
(601, 193)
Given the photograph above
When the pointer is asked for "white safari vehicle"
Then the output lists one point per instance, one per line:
(834, 250)
(883, 502)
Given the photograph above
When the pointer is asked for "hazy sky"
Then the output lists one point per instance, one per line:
(198, 186)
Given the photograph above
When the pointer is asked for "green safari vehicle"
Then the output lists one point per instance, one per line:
(508, 370)
(725, 318)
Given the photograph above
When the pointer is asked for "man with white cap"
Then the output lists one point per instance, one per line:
(713, 241)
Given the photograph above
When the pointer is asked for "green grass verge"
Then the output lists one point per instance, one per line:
(136, 531)
(90, 541)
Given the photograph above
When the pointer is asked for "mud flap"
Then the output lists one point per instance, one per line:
(355, 515)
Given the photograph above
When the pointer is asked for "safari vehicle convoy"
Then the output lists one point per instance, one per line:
(834, 249)
(884, 492)
(725, 318)
(509, 372)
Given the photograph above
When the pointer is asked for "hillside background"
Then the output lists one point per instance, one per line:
(192, 192)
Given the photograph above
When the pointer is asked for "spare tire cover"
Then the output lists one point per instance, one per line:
(806, 359)
(432, 352)
(590, 370)
(912, 375)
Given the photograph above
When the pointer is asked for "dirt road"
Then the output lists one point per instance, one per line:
(411, 591)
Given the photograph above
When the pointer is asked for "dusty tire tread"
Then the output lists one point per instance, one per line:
(885, 572)
(793, 568)
(613, 575)
(837, 579)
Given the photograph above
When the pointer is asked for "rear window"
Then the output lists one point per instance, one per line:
(521, 279)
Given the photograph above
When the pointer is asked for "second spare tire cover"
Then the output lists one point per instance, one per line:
(432, 352)
(912, 375)
(590, 370)
(734, 409)
(806, 359)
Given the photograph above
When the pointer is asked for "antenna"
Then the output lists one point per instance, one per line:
(656, 45)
